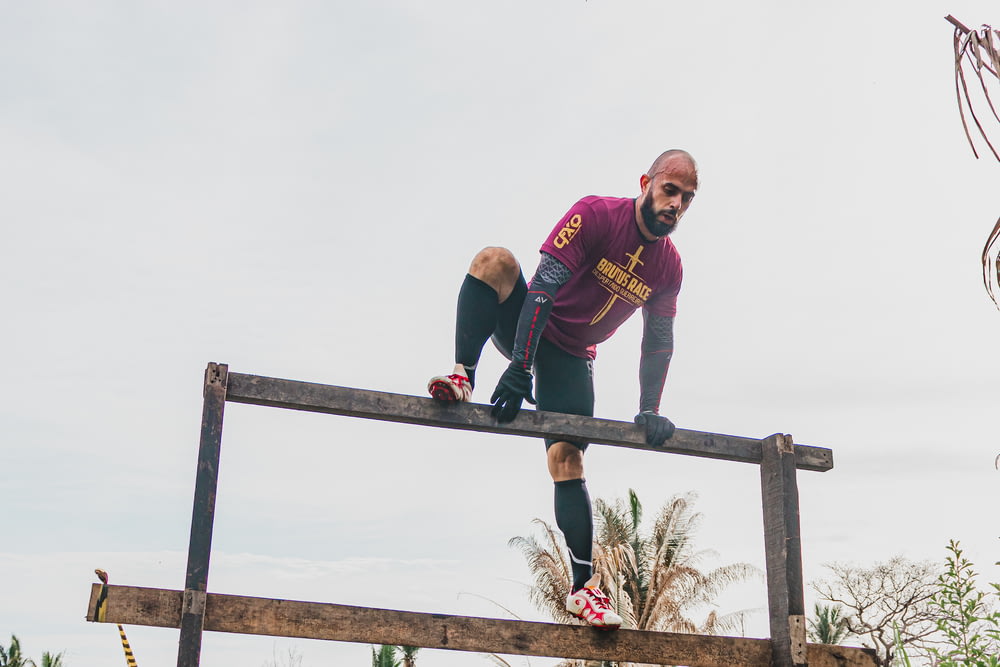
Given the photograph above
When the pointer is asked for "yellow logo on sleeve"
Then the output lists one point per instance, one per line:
(568, 231)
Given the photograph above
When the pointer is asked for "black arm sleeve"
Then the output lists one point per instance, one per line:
(549, 277)
(657, 349)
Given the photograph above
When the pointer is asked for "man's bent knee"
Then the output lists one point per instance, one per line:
(498, 268)
(565, 461)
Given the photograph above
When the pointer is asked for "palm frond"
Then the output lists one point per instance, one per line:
(976, 51)
(654, 580)
(550, 569)
(988, 251)
(979, 51)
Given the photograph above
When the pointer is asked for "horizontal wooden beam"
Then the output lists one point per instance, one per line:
(330, 399)
(312, 620)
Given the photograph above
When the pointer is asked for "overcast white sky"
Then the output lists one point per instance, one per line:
(296, 190)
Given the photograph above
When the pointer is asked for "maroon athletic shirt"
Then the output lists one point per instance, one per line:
(615, 271)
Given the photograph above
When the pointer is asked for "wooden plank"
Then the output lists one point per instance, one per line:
(330, 399)
(783, 552)
(312, 620)
(202, 515)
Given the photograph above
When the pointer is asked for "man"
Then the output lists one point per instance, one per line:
(606, 258)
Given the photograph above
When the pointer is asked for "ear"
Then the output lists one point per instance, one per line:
(643, 182)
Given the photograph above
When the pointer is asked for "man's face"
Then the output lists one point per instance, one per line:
(666, 196)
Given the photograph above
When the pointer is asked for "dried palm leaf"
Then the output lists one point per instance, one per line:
(987, 251)
(977, 50)
(980, 51)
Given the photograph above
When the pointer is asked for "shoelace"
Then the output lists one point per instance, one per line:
(599, 597)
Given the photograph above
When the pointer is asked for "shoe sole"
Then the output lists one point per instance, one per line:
(441, 391)
(602, 628)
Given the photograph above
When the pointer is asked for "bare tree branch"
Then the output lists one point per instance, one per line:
(881, 598)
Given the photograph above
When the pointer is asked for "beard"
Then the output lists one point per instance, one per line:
(653, 223)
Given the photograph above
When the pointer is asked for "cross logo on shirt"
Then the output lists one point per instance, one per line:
(617, 279)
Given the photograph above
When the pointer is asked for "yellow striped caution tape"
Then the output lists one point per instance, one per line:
(102, 614)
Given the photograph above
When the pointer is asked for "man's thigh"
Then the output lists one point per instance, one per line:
(563, 383)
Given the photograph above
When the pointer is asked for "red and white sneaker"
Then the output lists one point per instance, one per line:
(593, 606)
(452, 388)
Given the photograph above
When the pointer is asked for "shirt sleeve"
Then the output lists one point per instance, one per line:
(577, 235)
(663, 302)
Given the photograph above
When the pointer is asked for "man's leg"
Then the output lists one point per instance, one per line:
(493, 276)
(565, 384)
(573, 512)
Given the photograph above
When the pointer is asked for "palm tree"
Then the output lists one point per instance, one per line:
(653, 580)
(657, 577)
(829, 625)
(409, 654)
(384, 656)
(12, 656)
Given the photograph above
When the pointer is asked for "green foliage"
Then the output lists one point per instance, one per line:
(970, 627)
(901, 656)
(12, 656)
(49, 660)
(828, 625)
(384, 656)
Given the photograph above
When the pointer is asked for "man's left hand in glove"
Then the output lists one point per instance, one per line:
(658, 429)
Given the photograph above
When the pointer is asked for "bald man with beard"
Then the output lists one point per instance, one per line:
(606, 258)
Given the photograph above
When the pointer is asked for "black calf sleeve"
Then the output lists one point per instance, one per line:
(575, 520)
(476, 319)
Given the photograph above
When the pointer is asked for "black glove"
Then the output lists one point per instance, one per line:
(514, 386)
(658, 429)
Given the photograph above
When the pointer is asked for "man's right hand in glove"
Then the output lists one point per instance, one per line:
(514, 387)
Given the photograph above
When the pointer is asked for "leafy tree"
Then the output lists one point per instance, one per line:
(652, 579)
(384, 656)
(894, 594)
(828, 625)
(971, 629)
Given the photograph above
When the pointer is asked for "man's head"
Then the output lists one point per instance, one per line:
(667, 190)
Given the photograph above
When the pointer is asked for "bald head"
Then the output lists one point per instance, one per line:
(670, 158)
(667, 191)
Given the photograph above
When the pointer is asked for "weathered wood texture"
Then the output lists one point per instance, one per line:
(202, 515)
(783, 552)
(313, 620)
(310, 397)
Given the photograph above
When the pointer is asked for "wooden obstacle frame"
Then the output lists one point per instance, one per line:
(195, 610)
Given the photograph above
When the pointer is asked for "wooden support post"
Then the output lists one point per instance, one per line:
(194, 611)
(783, 552)
(203, 517)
